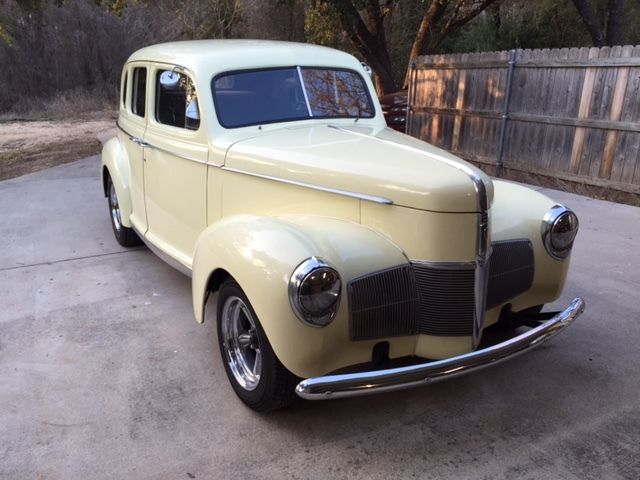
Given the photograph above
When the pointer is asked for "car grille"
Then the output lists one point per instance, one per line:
(510, 271)
(434, 299)
(384, 304)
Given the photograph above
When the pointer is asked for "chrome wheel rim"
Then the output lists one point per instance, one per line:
(240, 343)
(114, 207)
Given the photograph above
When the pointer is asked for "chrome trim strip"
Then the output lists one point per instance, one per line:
(165, 257)
(179, 155)
(346, 193)
(446, 265)
(143, 144)
(356, 384)
(481, 283)
(304, 91)
(131, 137)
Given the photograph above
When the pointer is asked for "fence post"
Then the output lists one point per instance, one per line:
(505, 112)
(410, 98)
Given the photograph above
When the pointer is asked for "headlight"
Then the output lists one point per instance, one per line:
(559, 230)
(314, 292)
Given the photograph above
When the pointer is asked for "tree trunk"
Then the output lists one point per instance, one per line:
(591, 21)
(369, 41)
(616, 22)
(422, 35)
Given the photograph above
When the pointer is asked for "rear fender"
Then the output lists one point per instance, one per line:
(115, 164)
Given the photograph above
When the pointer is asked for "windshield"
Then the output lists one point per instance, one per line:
(285, 94)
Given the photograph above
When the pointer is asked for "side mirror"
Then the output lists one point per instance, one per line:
(169, 79)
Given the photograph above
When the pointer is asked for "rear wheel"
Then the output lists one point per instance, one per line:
(255, 373)
(125, 236)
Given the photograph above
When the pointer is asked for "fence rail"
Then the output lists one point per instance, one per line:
(571, 114)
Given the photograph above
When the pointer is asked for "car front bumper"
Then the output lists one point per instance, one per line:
(355, 384)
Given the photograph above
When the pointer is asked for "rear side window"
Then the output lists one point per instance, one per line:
(176, 100)
(139, 93)
(123, 94)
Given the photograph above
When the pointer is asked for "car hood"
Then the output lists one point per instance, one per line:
(361, 160)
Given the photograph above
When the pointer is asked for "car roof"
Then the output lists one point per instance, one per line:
(209, 57)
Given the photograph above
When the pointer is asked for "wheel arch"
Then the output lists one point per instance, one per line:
(115, 165)
(260, 253)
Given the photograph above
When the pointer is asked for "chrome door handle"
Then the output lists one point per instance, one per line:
(139, 141)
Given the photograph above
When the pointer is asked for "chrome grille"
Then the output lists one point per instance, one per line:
(446, 299)
(383, 304)
(510, 271)
(434, 299)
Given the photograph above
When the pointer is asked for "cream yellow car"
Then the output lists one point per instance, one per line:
(346, 258)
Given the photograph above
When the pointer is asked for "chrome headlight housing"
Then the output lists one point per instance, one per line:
(314, 292)
(559, 230)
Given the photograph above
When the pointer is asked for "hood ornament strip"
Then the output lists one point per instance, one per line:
(361, 196)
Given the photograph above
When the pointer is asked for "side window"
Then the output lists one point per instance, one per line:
(139, 93)
(176, 100)
(123, 94)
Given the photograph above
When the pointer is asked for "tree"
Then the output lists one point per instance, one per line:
(364, 24)
(605, 22)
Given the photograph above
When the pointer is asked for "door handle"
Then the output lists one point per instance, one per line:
(139, 141)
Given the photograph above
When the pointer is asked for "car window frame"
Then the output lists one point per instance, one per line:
(156, 70)
(130, 110)
(297, 119)
(124, 88)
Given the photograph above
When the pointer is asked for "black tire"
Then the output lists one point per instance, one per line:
(275, 386)
(125, 236)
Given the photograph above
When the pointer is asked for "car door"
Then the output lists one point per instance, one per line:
(175, 164)
(132, 123)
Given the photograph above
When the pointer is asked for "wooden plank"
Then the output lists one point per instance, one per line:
(569, 108)
(537, 63)
(541, 119)
(583, 113)
(457, 126)
(600, 108)
(526, 168)
(437, 103)
(615, 115)
(573, 122)
(628, 156)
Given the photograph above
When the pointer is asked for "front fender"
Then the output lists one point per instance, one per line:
(260, 253)
(115, 163)
(517, 212)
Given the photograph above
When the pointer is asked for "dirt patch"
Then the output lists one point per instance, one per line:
(27, 147)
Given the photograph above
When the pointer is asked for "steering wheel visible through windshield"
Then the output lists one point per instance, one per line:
(285, 94)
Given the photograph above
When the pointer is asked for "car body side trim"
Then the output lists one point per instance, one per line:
(346, 193)
(356, 384)
(165, 257)
(143, 144)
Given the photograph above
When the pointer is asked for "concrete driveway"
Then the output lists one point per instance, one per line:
(105, 374)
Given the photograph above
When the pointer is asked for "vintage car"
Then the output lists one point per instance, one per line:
(346, 258)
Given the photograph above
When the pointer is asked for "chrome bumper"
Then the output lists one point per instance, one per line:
(348, 385)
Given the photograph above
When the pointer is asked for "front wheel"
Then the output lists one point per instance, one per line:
(255, 373)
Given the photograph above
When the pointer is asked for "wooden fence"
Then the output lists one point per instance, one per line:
(570, 114)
